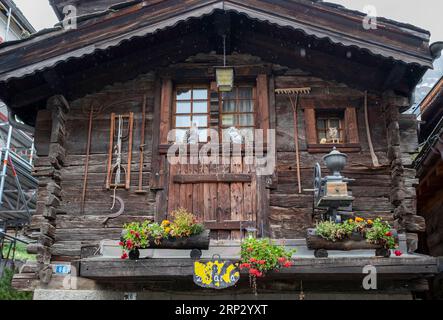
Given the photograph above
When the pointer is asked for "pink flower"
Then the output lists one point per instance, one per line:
(398, 253)
(282, 260)
(287, 264)
(252, 260)
(261, 262)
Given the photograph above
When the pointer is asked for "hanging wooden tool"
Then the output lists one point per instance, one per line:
(294, 97)
(123, 132)
(88, 150)
(142, 149)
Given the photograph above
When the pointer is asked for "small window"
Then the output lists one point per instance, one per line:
(237, 113)
(330, 129)
(326, 127)
(191, 110)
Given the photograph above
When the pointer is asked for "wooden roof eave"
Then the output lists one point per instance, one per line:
(150, 20)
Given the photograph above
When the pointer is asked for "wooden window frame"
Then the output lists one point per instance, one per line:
(312, 110)
(221, 127)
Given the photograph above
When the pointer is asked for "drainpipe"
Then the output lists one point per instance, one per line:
(8, 24)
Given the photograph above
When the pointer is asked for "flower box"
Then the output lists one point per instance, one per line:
(195, 242)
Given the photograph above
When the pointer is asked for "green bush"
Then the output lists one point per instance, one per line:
(7, 292)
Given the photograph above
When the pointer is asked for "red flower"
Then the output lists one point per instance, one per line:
(245, 266)
(132, 232)
(282, 260)
(129, 244)
(124, 256)
(259, 274)
(252, 260)
(137, 235)
(388, 234)
(287, 264)
(121, 244)
(253, 271)
(262, 262)
(398, 253)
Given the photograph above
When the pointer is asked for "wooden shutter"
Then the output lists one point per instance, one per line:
(165, 110)
(310, 124)
(351, 125)
(262, 103)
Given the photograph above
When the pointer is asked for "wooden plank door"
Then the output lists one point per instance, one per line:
(222, 196)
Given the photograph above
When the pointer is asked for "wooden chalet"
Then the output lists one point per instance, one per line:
(160, 56)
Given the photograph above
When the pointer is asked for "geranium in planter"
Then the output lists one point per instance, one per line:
(352, 234)
(182, 233)
(260, 256)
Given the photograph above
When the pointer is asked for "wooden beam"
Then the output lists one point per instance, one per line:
(172, 268)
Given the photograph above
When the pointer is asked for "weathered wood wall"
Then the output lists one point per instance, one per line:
(290, 213)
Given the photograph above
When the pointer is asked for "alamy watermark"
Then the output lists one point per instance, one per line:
(70, 20)
(370, 20)
(258, 150)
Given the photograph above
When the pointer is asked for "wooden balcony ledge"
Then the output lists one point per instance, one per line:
(177, 264)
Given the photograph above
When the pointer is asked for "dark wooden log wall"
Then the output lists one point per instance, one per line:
(403, 143)
(289, 213)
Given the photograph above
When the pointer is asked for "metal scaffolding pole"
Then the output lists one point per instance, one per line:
(5, 163)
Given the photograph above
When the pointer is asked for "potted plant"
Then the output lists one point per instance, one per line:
(260, 256)
(182, 233)
(352, 234)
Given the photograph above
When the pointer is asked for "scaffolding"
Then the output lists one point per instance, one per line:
(18, 188)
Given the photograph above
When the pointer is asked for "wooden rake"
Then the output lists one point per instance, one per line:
(294, 97)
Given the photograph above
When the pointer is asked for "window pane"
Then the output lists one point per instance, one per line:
(228, 120)
(246, 120)
(183, 107)
(321, 124)
(200, 94)
(334, 123)
(201, 121)
(229, 106)
(183, 94)
(203, 135)
(180, 135)
(228, 95)
(246, 106)
(200, 107)
(245, 93)
(183, 121)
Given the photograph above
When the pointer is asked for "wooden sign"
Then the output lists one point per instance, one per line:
(216, 274)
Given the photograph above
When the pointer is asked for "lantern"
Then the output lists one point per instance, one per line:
(225, 78)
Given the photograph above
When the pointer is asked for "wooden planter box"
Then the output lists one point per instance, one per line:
(357, 242)
(195, 243)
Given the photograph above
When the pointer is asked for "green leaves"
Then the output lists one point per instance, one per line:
(263, 255)
(376, 232)
(137, 235)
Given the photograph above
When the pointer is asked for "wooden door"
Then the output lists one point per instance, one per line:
(223, 196)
